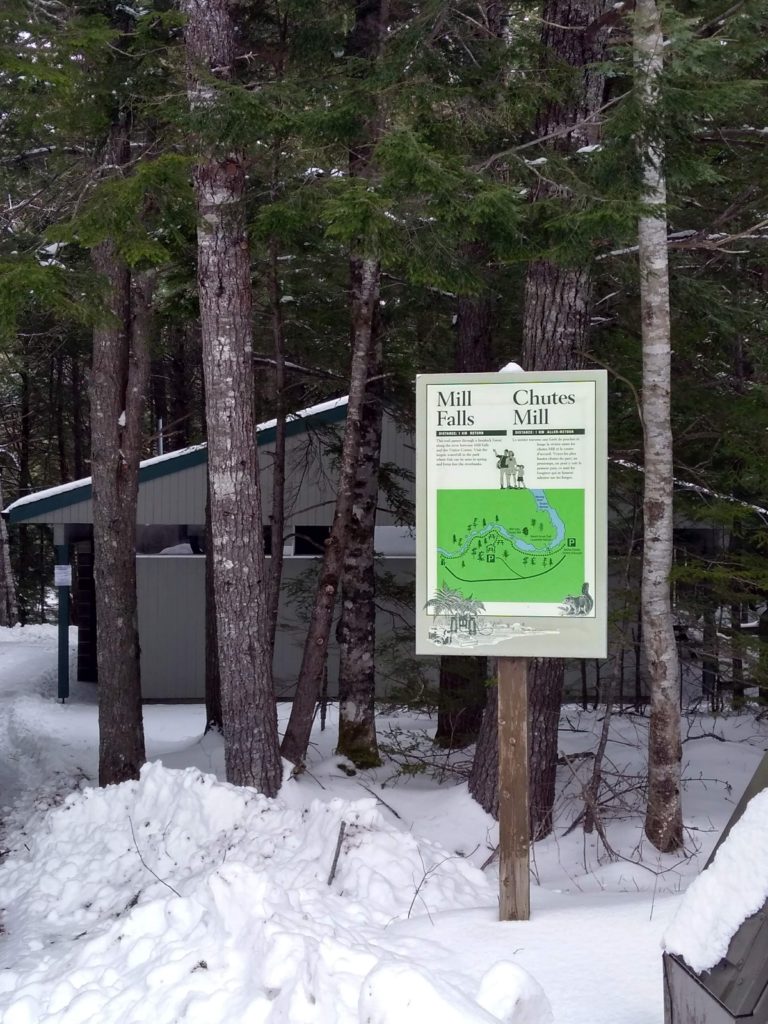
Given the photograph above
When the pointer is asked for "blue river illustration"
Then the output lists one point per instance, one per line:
(542, 504)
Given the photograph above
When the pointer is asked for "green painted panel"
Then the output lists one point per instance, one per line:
(513, 544)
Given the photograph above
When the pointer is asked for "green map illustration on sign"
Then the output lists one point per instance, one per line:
(512, 544)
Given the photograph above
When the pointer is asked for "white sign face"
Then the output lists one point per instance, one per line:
(511, 533)
(62, 575)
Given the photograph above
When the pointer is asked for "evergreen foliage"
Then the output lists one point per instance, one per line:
(457, 164)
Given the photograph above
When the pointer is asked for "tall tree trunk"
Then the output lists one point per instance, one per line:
(61, 437)
(213, 718)
(556, 319)
(664, 816)
(25, 480)
(8, 606)
(357, 625)
(462, 679)
(555, 333)
(364, 42)
(484, 775)
(465, 700)
(118, 384)
(737, 660)
(249, 715)
(158, 394)
(179, 404)
(365, 297)
(277, 518)
(78, 430)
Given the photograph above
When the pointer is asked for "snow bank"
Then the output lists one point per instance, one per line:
(733, 887)
(179, 898)
(397, 993)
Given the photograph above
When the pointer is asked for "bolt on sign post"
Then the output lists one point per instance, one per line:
(511, 553)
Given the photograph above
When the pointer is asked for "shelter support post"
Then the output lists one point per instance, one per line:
(514, 828)
(63, 583)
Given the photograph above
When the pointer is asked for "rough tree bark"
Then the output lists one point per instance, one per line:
(365, 40)
(463, 691)
(556, 319)
(213, 718)
(664, 816)
(249, 717)
(277, 518)
(117, 387)
(78, 430)
(25, 558)
(462, 679)
(365, 297)
(357, 625)
(180, 365)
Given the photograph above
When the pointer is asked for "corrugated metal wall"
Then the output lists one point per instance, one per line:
(171, 600)
(171, 593)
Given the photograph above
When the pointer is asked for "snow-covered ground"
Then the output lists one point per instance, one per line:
(181, 899)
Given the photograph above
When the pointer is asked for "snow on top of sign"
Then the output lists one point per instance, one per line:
(720, 900)
(73, 485)
(512, 368)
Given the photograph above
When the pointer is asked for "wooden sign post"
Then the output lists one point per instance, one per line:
(514, 844)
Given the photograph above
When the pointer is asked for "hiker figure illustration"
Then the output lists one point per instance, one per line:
(506, 466)
(520, 469)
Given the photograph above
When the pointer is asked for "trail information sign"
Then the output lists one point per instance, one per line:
(511, 523)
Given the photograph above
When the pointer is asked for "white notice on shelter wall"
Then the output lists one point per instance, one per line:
(62, 575)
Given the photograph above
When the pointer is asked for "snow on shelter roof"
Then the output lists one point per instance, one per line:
(63, 495)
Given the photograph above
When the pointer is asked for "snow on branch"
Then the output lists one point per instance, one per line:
(688, 485)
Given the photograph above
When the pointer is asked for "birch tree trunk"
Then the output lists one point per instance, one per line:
(118, 384)
(664, 817)
(365, 40)
(249, 717)
(556, 320)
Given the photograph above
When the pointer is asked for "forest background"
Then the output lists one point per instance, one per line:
(361, 192)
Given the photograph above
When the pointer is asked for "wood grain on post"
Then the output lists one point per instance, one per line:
(514, 881)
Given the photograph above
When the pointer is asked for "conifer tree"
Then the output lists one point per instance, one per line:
(249, 717)
(365, 41)
(556, 321)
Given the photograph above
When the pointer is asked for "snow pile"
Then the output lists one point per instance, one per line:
(396, 993)
(179, 898)
(733, 887)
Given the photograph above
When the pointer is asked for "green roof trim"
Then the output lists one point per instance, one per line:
(31, 509)
(167, 466)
